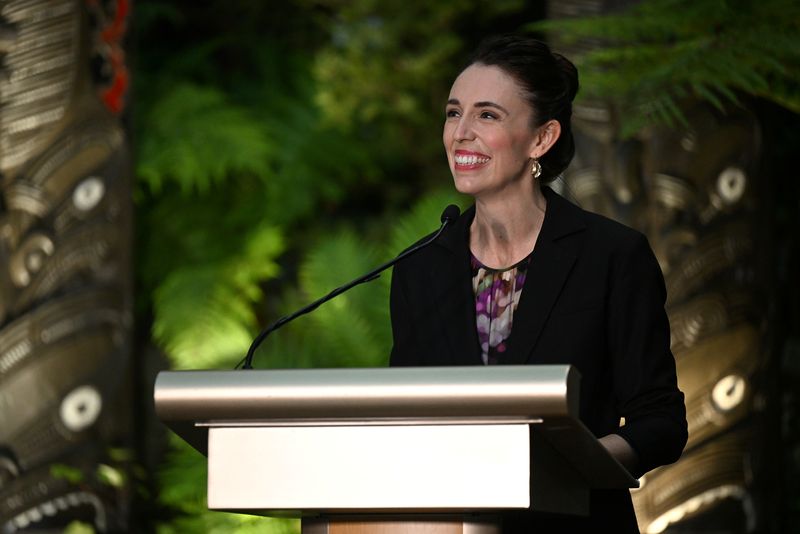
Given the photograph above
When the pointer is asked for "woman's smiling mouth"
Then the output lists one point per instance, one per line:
(465, 160)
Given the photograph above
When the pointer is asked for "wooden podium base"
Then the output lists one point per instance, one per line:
(393, 525)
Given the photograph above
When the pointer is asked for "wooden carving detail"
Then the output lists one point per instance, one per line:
(691, 190)
(65, 295)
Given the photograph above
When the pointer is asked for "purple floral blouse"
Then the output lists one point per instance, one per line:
(497, 293)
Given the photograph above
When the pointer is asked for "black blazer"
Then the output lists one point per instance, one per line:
(593, 297)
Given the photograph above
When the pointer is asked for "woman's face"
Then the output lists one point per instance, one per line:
(487, 133)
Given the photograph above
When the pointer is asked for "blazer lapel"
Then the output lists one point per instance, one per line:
(552, 259)
(452, 287)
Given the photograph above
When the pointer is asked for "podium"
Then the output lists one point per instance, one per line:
(435, 450)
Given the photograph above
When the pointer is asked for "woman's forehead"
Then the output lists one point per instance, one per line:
(482, 83)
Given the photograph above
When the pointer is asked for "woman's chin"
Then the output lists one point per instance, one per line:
(466, 185)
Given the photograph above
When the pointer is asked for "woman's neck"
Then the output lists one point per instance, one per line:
(505, 229)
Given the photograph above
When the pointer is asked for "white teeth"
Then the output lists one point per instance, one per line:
(34, 515)
(470, 160)
(51, 508)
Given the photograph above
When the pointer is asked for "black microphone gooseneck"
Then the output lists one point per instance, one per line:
(449, 215)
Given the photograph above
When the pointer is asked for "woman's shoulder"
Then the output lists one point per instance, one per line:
(602, 231)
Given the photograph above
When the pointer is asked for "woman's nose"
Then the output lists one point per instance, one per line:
(464, 131)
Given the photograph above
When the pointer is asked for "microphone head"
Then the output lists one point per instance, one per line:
(450, 214)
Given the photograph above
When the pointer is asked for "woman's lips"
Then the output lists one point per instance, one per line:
(466, 160)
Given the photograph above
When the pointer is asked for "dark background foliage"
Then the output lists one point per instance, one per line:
(282, 148)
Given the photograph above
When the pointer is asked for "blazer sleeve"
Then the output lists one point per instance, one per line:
(404, 350)
(645, 381)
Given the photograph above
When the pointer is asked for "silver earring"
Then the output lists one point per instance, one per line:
(536, 169)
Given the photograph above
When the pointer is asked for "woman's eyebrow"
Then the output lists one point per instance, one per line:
(483, 104)
(491, 105)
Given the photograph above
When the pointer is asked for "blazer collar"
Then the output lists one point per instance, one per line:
(556, 250)
(452, 284)
(557, 247)
(561, 219)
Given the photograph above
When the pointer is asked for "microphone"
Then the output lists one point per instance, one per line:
(449, 215)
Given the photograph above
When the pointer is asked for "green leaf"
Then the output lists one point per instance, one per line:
(78, 527)
(111, 476)
(197, 138)
(719, 50)
(345, 327)
(73, 475)
(423, 218)
(204, 313)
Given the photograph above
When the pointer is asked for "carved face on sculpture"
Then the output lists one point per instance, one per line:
(64, 289)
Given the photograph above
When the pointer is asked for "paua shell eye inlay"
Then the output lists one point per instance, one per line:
(731, 184)
(80, 408)
(88, 193)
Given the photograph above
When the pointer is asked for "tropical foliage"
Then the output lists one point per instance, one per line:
(661, 52)
(264, 181)
(284, 148)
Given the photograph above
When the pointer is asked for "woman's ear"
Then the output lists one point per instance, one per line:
(546, 136)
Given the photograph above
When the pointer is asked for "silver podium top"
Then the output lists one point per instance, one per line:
(189, 400)
(523, 391)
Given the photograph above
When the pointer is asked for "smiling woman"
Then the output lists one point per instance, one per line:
(525, 276)
(490, 143)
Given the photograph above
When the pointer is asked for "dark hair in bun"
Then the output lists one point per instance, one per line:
(550, 82)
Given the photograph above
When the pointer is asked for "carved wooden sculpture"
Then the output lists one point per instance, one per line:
(691, 189)
(65, 296)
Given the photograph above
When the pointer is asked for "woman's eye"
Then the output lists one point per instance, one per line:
(488, 115)
(451, 113)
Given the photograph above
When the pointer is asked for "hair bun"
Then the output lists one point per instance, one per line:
(549, 82)
(569, 73)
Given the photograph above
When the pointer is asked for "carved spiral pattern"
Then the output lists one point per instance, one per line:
(65, 312)
(691, 191)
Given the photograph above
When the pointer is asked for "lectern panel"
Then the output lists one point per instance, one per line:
(390, 443)
(450, 467)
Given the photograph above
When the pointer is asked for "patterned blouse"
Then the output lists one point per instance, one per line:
(497, 293)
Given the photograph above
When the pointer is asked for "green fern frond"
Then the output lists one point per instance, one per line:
(203, 314)
(655, 52)
(350, 330)
(197, 138)
(204, 521)
(309, 168)
(353, 329)
(422, 219)
(345, 326)
(334, 261)
(347, 338)
(289, 347)
(196, 328)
